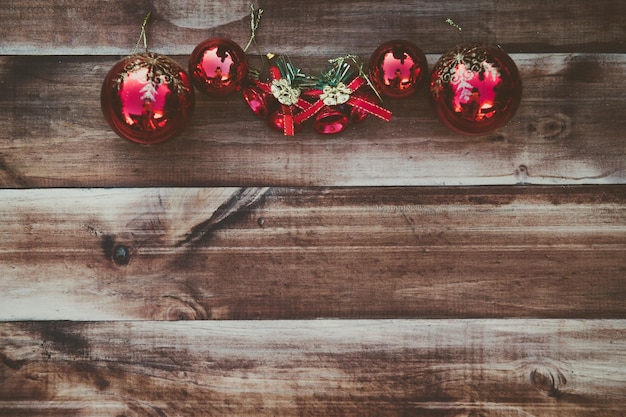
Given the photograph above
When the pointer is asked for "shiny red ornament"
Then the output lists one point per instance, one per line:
(475, 88)
(260, 102)
(331, 120)
(218, 66)
(358, 114)
(276, 121)
(398, 68)
(147, 98)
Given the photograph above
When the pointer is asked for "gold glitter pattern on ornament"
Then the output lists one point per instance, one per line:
(471, 60)
(160, 70)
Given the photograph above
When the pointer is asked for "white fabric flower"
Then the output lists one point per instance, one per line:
(284, 92)
(335, 95)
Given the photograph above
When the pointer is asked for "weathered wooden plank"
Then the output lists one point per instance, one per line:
(222, 253)
(94, 27)
(294, 368)
(471, 253)
(569, 130)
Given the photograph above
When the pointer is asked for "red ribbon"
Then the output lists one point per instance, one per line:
(288, 114)
(360, 102)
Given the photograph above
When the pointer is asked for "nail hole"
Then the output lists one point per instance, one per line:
(121, 255)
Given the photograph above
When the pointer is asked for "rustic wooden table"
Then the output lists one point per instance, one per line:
(396, 269)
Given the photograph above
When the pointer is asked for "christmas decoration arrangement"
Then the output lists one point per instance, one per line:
(148, 98)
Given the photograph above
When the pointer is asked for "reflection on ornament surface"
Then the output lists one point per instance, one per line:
(358, 114)
(330, 120)
(218, 66)
(260, 102)
(147, 98)
(397, 68)
(277, 120)
(475, 89)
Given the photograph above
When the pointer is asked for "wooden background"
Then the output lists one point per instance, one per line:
(398, 269)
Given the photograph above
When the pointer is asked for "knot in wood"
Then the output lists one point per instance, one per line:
(549, 380)
(172, 307)
(551, 127)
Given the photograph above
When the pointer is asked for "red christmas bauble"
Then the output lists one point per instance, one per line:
(475, 88)
(331, 120)
(147, 98)
(398, 68)
(218, 66)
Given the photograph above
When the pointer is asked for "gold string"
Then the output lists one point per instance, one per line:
(142, 35)
(454, 25)
(255, 19)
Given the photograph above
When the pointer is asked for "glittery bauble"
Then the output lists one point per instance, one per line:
(398, 68)
(218, 66)
(147, 98)
(330, 120)
(475, 88)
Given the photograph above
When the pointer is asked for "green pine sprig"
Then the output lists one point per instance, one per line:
(339, 72)
(342, 70)
(292, 73)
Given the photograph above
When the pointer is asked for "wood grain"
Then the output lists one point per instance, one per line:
(506, 300)
(294, 368)
(71, 27)
(569, 130)
(288, 253)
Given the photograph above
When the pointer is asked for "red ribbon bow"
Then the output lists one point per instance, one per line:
(288, 111)
(360, 102)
